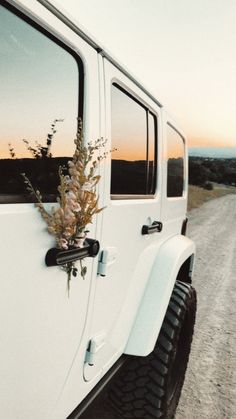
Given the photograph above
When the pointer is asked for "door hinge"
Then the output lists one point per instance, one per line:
(94, 346)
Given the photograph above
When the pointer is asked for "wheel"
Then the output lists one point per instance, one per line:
(149, 387)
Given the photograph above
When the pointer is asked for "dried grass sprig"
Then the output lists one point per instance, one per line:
(78, 200)
(40, 151)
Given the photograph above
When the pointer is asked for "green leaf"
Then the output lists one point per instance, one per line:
(83, 271)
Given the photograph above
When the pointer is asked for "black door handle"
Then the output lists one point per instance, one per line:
(155, 227)
(55, 257)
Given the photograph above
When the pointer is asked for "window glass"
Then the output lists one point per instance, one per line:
(131, 172)
(129, 139)
(151, 175)
(175, 163)
(39, 89)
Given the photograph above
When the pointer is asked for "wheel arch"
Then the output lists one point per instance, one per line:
(174, 261)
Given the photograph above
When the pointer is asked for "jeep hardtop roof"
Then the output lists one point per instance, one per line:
(64, 15)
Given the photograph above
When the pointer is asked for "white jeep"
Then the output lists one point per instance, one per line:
(130, 320)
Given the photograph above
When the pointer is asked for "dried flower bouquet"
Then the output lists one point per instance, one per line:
(78, 201)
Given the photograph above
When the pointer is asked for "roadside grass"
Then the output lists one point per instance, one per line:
(197, 196)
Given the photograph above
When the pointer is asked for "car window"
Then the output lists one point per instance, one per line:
(133, 133)
(39, 108)
(175, 163)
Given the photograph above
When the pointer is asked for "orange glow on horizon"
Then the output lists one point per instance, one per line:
(59, 149)
(130, 155)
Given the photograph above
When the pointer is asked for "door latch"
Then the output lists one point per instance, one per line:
(95, 344)
(107, 258)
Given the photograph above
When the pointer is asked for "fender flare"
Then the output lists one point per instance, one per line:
(147, 324)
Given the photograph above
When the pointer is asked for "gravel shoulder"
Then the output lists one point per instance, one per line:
(210, 386)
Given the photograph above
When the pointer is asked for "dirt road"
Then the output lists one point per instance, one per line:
(210, 387)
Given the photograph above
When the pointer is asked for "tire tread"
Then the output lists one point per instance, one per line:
(140, 390)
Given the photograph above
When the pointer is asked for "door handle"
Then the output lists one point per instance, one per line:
(155, 227)
(55, 257)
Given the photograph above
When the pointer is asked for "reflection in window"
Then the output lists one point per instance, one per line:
(133, 161)
(39, 84)
(151, 175)
(175, 163)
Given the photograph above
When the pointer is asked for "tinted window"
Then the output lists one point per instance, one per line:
(175, 163)
(39, 88)
(151, 175)
(133, 134)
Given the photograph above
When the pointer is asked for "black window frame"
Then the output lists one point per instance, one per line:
(27, 198)
(152, 194)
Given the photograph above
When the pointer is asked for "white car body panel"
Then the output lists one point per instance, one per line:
(170, 257)
(45, 334)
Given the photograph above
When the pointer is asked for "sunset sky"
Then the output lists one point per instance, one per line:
(39, 83)
(184, 51)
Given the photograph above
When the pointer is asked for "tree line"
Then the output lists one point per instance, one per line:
(203, 171)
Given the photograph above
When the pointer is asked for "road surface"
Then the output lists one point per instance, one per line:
(209, 391)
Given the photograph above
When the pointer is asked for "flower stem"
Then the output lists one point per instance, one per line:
(69, 272)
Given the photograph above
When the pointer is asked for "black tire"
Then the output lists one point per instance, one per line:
(149, 387)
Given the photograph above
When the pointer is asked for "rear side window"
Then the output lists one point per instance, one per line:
(133, 132)
(40, 83)
(175, 163)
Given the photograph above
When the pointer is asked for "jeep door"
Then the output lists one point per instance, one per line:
(132, 191)
(41, 328)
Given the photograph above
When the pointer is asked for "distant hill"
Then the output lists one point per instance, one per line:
(215, 152)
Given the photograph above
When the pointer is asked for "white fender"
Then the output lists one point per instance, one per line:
(146, 327)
